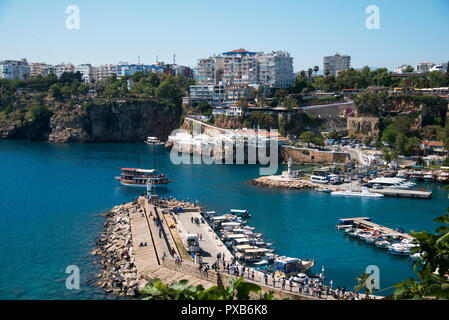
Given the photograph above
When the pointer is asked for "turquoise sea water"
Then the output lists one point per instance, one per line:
(51, 196)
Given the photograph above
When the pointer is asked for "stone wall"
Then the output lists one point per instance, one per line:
(305, 155)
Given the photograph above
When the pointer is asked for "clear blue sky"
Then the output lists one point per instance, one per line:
(411, 31)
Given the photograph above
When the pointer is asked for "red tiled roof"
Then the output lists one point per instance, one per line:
(238, 50)
(433, 143)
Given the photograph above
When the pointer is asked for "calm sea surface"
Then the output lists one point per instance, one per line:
(51, 196)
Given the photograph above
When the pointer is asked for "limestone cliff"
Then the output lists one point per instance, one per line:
(106, 122)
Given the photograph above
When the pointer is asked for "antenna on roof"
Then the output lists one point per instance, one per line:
(138, 59)
(174, 58)
(157, 58)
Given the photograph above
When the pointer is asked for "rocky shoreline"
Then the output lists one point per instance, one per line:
(274, 182)
(115, 250)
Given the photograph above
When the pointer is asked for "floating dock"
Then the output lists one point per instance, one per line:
(365, 222)
(404, 193)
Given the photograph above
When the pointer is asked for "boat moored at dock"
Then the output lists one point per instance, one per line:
(364, 193)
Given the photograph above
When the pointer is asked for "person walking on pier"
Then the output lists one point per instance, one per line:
(266, 279)
(252, 275)
(283, 284)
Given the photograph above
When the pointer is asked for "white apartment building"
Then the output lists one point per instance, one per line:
(275, 69)
(14, 69)
(442, 67)
(205, 71)
(401, 69)
(61, 68)
(104, 71)
(213, 94)
(86, 71)
(336, 63)
(240, 67)
(239, 71)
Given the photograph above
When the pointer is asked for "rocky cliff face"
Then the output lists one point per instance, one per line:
(107, 122)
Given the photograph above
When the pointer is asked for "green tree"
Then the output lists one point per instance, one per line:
(432, 267)
(169, 89)
(362, 284)
(409, 69)
(55, 91)
(310, 137)
(237, 290)
(389, 136)
(309, 74)
(315, 69)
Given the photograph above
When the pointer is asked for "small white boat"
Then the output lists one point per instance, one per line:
(415, 256)
(382, 244)
(261, 263)
(399, 249)
(364, 193)
(370, 239)
(269, 257)
(325, 190)
(153, 141)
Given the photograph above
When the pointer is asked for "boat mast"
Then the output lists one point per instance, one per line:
(154, 156)
(138, 156)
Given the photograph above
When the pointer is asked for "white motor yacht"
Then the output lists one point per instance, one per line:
(364, 193)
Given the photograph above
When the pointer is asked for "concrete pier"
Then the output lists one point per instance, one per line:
(152, 263)
(283, 182)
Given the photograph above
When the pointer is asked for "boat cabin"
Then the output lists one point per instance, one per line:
(240, 213)
(288, 265)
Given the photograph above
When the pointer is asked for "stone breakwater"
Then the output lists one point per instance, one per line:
(277, 182)
(119, 275)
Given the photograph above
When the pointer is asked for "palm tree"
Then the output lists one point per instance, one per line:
(327, 72)
(302, 74)
(315, 69)
(310, 73)
(361, 284)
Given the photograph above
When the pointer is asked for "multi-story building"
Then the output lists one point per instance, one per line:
(336, 63)
(275, 69)
(14, 69)
(86, 70)
(240, 67)
(41, 69)
(61, 68)
(104, 71)
(424, 67)
(442, 67)
(214, 94)
(401, 69)
(240, 71)
(205, 71)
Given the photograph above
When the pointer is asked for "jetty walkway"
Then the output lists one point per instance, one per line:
(157, 243)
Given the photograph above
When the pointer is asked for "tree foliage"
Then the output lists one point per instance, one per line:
(237, 290)
(432, 267)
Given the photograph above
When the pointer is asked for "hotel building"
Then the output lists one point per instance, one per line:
(336, 63)
(14, 69)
